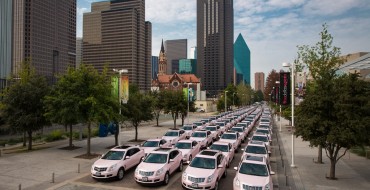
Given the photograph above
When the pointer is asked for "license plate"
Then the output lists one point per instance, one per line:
(98, 174)
(194, 185)
(145, 179)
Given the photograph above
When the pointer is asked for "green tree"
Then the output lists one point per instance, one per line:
(244, 93)
(174, 104)
(334, 115)
(322, 61)
(258, 96)
(158, 104)
(95, 101)
(22, 103)
(61, 105)
(139, 108)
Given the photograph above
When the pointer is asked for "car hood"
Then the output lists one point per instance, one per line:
(105, 163)
(169, 138)
(197, 138)
(184, 151)
(253, 180)
(149, 166)
(232, 141)
(199, 172)
(148, 149)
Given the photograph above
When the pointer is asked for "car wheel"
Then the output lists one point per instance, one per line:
(216, 186)
(181, 166)
(120, 174)
(225, 173)
(166, 179)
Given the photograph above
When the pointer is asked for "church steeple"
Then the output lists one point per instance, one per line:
(162, 65)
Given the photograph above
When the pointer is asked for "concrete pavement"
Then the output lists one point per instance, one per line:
(352, 171)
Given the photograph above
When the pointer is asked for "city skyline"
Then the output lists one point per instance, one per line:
(272, 28)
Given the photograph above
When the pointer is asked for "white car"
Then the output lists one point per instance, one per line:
(151, 144)
(116, 162)
(188, 148)
(253, 173)
(174, 135)
(203, 137)
(189, 129)
(227, 150)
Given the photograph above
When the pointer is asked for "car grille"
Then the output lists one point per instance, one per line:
(196, 180)
(146, 173)
(100, 169)
(247, 187)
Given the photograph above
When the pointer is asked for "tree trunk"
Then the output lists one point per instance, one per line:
(70, 135)
(319, 156)
(182, 120)
(29, 140)
(116, 134)
(136, 132)
(157, 118)
(88, 139)
(174, 117)
(24, 139)
(332, 168)
(66, 127)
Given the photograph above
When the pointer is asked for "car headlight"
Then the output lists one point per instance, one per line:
(237, 182)
(185, 155)
(112, 168)
(137, 170)
(184, 175)
(159, 172)
(92, 167)
(267, 186)
(210, 178)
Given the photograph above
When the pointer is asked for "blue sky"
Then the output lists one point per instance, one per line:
(271, 28)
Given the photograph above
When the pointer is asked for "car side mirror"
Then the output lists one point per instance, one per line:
(220, 166)
(272, 173)
(171, 160)
(127, 157)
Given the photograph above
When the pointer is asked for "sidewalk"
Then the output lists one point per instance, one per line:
(352, 171)
(34, 170)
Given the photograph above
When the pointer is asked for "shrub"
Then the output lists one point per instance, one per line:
(54, 136)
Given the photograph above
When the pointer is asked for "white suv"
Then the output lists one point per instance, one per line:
(253, 173)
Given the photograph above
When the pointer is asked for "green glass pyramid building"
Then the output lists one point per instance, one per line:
(242, 61)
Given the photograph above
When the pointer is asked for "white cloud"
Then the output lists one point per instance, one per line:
(332, 8)
(170, 11)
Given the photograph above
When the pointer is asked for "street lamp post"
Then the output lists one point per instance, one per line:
(292, 102)
(278, 82)
(119, 99)
(226, 100)
(188, 100)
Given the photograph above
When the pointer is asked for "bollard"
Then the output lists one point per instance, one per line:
(20, 187)
(286, 180)
(52, 178)
(78, 171)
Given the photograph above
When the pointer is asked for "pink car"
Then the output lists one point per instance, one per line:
(256, 148)
(174, 135)
(253, 173)
(116, 162)
(157, 167)
(151, 144)
(242, 132)
(231, 137)
(203, 137)
(226, 149)
(188, 148)
(189, 129)
(205, 171)
(215, 131)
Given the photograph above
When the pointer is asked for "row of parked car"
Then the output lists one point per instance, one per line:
(207, 146)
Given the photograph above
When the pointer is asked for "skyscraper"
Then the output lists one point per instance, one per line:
(5, 41)
(44, 32)
(259, 81)
(215, 35)
(79, 51)
(242, 61)
(193, 53)
(154, 66)
(188, 66)
(175, 50)
(115, 32)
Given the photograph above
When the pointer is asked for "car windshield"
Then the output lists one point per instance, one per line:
(221, 124)
(262, 131)
(264, 126)
(260, 138)
(199, 135)
(172, 134)
(228, 136)
(205, 120)
(253, 169)
(255, 150)
(113, 155)
(237, 129)
(182, 145)
(156, 158)
(198, 123)
(151, 144)
(241, 125)
(265, 120)
(222, 148)
(206, 163)
(211, 128)
(187, 128)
